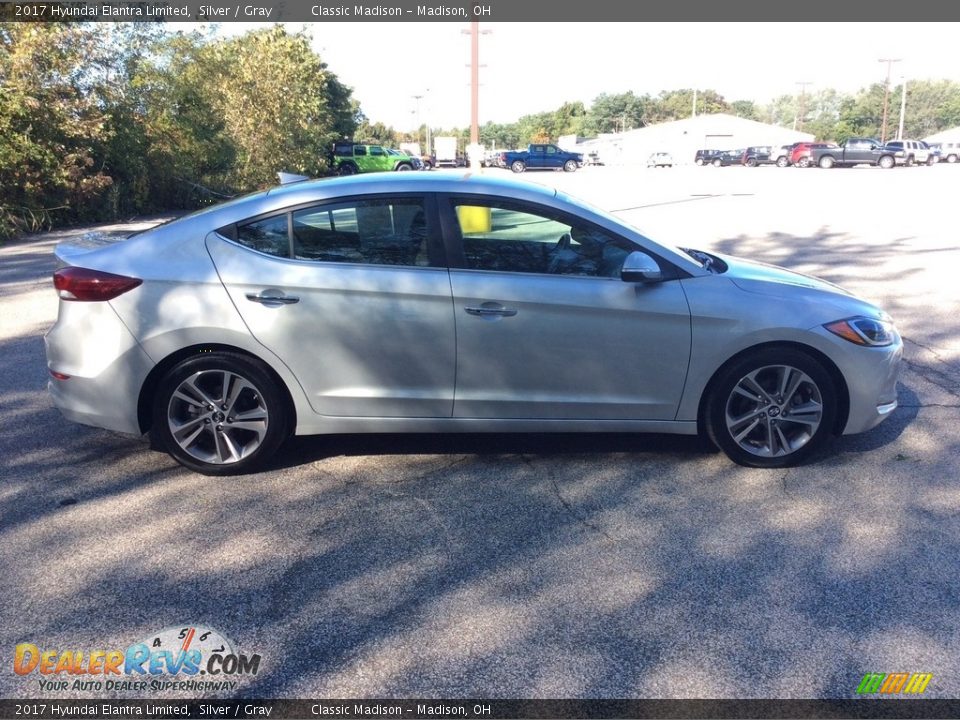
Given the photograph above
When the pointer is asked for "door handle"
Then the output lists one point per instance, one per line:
(273, 300)
(490, 310)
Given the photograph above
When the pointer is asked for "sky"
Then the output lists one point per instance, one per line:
(534, 67)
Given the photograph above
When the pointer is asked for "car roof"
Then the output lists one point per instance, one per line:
(309, 191)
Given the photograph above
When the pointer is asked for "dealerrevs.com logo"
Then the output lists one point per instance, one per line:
(172, 659)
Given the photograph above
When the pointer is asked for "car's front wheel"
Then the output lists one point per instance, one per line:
(771, 408)
(570, 166)
(219, 413)
(782, 161)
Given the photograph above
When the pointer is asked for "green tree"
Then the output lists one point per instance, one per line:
(282, 108)
(52, 124)
(744, 109)
(678, 104)
(616, 113)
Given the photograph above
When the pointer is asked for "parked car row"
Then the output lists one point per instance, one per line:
(854, 151)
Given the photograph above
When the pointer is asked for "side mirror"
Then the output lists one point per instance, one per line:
(640, 268)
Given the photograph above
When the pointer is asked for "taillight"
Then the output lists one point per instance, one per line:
(76, 283)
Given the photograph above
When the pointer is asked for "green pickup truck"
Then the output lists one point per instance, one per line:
(350, 158)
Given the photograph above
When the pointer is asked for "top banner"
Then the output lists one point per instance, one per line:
(533, 11)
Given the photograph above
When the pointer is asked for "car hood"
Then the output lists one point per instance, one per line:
(757, 277)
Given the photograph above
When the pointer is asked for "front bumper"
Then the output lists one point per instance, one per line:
(872, 385)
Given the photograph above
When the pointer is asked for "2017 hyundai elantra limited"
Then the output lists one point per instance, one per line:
(426, 303)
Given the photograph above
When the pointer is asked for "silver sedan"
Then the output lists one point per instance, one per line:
(425, 303)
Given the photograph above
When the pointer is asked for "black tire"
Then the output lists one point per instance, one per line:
(570, 166)
(427, 165)
(717, 162)
(404, 167)
(886, 162)
(782, 161)
(952, 158)
(931, 160)
(910, 161)
(803, 162)
(235, 384)
(751, 162)
(698, 161)
(770, 438)
(518, 166)
(347, 168)
(826, 162)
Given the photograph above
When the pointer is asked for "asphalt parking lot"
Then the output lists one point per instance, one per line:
(530, 566)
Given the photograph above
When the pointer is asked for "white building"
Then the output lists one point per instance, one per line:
(945, 136)
(682, 139)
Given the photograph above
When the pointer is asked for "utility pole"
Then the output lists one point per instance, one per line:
(802, 110)
(475, 66)
(694, 114)
(886, 97)
(903, 108)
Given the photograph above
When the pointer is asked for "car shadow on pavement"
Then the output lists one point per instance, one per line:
(306, 449)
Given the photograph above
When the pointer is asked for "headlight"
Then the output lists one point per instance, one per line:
(870, 332)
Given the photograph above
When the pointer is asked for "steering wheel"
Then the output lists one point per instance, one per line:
(562, 244)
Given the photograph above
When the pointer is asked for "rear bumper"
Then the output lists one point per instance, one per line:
(105, 365)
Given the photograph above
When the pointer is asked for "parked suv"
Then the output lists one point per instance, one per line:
(780, 156)
(800, 155)
(758, 155)
(350, 159)
(911, 152)
(949, 151)
(705, 157)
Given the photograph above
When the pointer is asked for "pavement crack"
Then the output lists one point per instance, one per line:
(579, 517)
(935, 377)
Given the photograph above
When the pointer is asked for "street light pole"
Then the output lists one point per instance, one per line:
(418, 98)
(886, 97)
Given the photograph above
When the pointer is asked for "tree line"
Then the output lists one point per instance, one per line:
(106, 121)
(99, 122)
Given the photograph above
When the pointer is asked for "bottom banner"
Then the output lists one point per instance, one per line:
(448, 709)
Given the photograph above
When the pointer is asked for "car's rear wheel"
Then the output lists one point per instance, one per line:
(698, 161)
(570, 166)
(219, 413)
(518, 166)
(932, 160)
(347, 168)
(717, 162)
(803, 162)
(771, 408)
(782, 161)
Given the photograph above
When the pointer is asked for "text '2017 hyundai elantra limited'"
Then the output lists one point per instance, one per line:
(453, 303)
